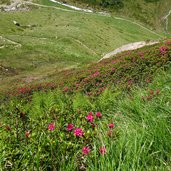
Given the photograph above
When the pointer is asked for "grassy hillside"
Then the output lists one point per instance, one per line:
(90, 116)
(126, 127)
(123, 70)
(146, 11)
(49, 40)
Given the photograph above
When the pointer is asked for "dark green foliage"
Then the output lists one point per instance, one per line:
(152, 1)
(112, 3)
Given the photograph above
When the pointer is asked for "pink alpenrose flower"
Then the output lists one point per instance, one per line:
(51, 126)
(90, 118)
(98, 114)
(111, 125)
(85, 150)
(70, 127)
(78, 132)
(90, 113)
(163, 49)
(102, 150)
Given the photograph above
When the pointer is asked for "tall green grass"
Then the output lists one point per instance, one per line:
(144, 131)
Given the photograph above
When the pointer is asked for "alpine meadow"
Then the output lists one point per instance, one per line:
(85, 85)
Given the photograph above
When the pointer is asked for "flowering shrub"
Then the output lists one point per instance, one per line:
(163, 49)
(78, 132)
(51, 129)
(27, 90)
(124, 70)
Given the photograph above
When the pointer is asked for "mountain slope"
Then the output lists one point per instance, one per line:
(122, 129)
(122, 70)
(146, 11)
(53, 39)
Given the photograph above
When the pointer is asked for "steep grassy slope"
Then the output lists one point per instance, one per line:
(134, 67)
(123, 70)
(111, 115)
(114, 131)
(145, 11)
(53, 39)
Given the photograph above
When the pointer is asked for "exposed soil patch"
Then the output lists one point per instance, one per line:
(15, 5)
(8, 71)
(130, 46)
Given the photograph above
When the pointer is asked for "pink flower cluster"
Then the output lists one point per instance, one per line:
(66, 89)
(111, 125)
(31, 88)
(51, 126)
(86, 150)
(96, 74)
(70, 127)
(78, 132)
(90, 116)
(163, 49)
(98, 114)
(103, 150)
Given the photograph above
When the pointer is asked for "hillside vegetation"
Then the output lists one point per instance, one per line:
(122, 70)
(123, 127)
(61, 109)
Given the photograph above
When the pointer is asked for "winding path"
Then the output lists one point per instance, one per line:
(119, 18)
(105, 14)
(72, 7)
(130, 46)
(10, 41)
(166, 18)
(76, 9)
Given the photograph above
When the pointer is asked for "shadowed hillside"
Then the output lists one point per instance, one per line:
(150, 12)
